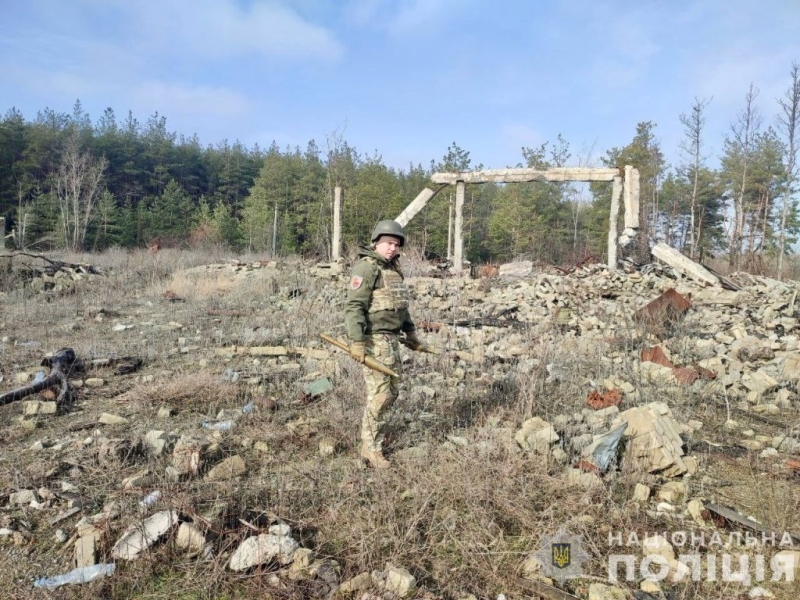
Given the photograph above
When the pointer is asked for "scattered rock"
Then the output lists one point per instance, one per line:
(641, 493)
(657, 544)
(229, 468)
(23, 498)
(395, 580)
(598, 591)
(109, 419)
(190, 539)
(536, 435)
(38, 407)
(261, 549)
(141, 536)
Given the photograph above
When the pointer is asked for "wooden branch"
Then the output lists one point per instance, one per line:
(61, 365)
(58, 264)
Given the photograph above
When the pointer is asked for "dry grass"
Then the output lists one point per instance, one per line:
(462, 518)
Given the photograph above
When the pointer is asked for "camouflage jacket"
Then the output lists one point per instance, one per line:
(377, 298)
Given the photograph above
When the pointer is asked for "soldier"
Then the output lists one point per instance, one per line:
(376, 313)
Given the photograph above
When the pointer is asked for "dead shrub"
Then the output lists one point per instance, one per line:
(193, 391)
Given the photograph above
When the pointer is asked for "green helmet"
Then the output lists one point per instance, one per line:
(392, 228)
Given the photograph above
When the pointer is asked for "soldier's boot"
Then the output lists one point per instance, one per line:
(375, 458)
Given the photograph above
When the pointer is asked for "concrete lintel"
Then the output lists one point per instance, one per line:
(524, 175)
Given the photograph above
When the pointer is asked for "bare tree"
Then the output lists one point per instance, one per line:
(692, 146)
(77, 190)
(741, 146)
(789, 119)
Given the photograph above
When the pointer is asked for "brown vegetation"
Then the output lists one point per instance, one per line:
(462, 508)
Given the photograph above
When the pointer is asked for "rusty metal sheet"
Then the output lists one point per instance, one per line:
(663, 312)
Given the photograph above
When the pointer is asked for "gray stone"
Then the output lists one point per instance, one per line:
(137, 480)
(657, 544)
(231, 467)
(261, 549)
(23, 498)
(190, 538)
(156, 442)
(188, 455)
(536, 435)
(599, 591)
(143, 535)
(397, 581)
(360, 583)
(38, 407)
(109, 419)
(641, 493)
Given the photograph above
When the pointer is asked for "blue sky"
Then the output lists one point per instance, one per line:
(404, 78)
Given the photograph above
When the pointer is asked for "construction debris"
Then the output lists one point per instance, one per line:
(688, 267)
(723, 515)
(608, 398)
(654, 442)
(278, 544)
(141, 536)
(663, 313)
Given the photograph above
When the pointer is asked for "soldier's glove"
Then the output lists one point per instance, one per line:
(357, 351)
(413, 342)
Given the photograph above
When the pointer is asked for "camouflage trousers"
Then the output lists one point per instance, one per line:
(382, 389)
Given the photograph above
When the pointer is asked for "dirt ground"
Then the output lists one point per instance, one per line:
(462, 508)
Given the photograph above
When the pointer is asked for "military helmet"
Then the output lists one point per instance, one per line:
(392, 228)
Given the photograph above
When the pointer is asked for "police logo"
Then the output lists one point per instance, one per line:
(561, 555)
(355, 282)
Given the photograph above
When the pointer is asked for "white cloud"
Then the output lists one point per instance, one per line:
(224, 29)
(190, 29)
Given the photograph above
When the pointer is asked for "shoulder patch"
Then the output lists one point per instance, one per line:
(356, 281)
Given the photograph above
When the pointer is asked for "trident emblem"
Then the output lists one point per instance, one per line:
(561, 555)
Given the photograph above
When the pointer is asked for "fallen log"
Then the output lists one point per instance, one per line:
(55, 265)
(124, 364)
(61, 365)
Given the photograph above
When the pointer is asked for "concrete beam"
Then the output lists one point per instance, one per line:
(688, 267)
(417, 204)
(524, 175)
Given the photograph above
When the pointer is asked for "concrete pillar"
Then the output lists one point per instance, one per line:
(458, 241)
(616, 192)
(631, 197)
(2, 233)
(450, 228)
(336, 246)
